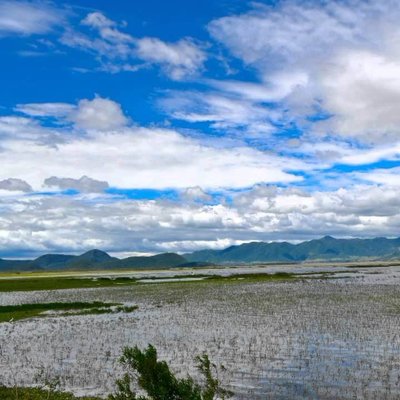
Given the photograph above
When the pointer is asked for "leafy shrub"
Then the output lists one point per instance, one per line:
(156, 379)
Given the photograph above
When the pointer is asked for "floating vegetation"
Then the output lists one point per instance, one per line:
(16, 312)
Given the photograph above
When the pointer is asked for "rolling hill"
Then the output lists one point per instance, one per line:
(324, 249)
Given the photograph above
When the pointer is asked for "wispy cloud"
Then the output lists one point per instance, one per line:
(118, 51)
(28, 18)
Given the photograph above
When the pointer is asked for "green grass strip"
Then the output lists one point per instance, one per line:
(18, 312)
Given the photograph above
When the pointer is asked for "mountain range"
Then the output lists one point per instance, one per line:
(324, 249)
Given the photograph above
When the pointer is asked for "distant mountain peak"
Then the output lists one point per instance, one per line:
(95, 255)
(326, 248)
(328, 237)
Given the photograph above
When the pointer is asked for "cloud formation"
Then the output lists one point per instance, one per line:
(71, 223)
(28, 18)
(345, 52)
(99, 114)
(84, 184)
(14, 184)
(119, 51)
(281, 124)
(149, 157)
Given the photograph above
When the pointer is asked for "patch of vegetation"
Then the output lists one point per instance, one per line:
(18, 312)
(105, 310)
(17, 393)
(255, 277)
(220, 278)
(41, 283)
(156, 379)
(56, 283)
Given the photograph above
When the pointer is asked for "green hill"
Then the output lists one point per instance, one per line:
(324, 249)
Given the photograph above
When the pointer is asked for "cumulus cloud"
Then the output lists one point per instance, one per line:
(345, 52)
(149, 158)
(99, 114)
(195, 193)
(72, 223)
(83, 184)
(324, 95)
(28, 18)
(14, 184)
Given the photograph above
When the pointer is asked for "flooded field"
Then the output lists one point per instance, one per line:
(336, 338)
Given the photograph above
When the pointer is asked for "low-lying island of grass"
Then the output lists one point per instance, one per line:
(35, 283)
(22, 311)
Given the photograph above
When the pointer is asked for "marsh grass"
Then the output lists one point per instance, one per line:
(37, 394)
(35, 283)
(38, 283)
(23, 311)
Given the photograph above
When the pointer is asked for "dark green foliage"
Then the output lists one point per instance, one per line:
(153, 377)
(37, 394)
(212, 386)
(156, 379)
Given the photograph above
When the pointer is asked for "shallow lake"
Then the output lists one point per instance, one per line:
(309, 339)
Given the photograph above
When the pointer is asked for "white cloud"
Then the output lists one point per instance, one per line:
(26, 129)
(363, 90)
(385, 177)
(57, 110)
(14, 184)
(106, 27)
(149, 158)
(346, 54)
(195, 193)
(221, 111)
(179, 60)
(291, 32)
(275, 89)
(84, 184)
(99, 114)
(28, 18)
(118, 51)
(64, 223)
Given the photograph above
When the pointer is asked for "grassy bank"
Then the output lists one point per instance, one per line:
(23, 311)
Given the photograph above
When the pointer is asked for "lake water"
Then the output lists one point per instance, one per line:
(310, 339)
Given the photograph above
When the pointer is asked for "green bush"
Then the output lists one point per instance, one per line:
(153, 376)
(156, 379)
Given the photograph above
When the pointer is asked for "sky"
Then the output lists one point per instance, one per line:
(144, 127)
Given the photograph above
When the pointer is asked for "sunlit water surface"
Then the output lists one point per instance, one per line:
(311, 339)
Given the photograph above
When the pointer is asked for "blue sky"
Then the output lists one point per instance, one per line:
(154, 126)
